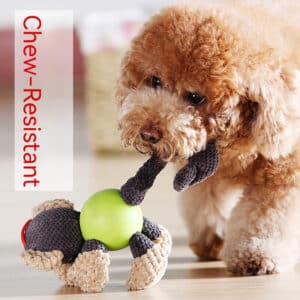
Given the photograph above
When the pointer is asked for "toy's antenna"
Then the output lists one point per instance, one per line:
(134, 190)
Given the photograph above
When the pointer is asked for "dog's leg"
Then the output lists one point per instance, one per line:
(261, 237)
(206, 207)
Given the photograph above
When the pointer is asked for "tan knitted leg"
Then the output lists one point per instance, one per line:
(42, 260)
(148, 269)
(62, 272)
(49, 261)
(165, 241)
(51, 204)
(90, 271)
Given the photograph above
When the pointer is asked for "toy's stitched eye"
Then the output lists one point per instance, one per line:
(194, 98)
(155, 82)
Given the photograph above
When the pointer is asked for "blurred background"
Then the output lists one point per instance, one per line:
(102, 32)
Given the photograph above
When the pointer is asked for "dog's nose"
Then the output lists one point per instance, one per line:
(151, 134)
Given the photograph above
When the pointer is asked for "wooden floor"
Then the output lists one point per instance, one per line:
(185, 279)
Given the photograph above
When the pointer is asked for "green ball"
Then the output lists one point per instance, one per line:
(106, 217)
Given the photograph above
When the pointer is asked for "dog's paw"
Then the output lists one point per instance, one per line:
(252, 264)
(208, 250)
(248, 258)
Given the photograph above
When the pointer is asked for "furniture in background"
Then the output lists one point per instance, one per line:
(105, 37)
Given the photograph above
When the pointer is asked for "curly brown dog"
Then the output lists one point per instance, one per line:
(196, 74)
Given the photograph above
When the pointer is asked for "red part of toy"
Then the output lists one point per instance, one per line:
(23, 232)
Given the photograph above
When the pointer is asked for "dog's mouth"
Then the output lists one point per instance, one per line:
(172, 137)
(171, 147)
(162, 149)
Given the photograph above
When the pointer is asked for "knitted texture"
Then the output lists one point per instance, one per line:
(91, 245)
(165, 241)
(148, 269)
(42, 260)
(55, 229)
(52, 204)
(134, 190)
(199, 167)
(89, 272)
(61, 272)
(150, 229)
(139, 244)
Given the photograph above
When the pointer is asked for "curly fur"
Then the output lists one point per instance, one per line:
(245, 60)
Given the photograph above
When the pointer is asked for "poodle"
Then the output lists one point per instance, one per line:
(228, 74)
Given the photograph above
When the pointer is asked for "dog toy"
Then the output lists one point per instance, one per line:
(75, 245)
(200, 166)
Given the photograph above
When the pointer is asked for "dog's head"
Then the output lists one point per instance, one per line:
(190, 77)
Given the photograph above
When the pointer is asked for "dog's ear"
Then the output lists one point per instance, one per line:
(277, 123)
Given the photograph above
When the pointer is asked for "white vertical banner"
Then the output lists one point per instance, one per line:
(44, 100)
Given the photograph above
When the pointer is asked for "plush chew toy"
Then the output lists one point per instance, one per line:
(200, 166)
(75, 245)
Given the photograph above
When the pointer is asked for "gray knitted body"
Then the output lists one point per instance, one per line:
(55, 229)
(59, 229)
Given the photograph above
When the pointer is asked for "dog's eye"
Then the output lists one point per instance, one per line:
(194, 98)
(155, 82)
